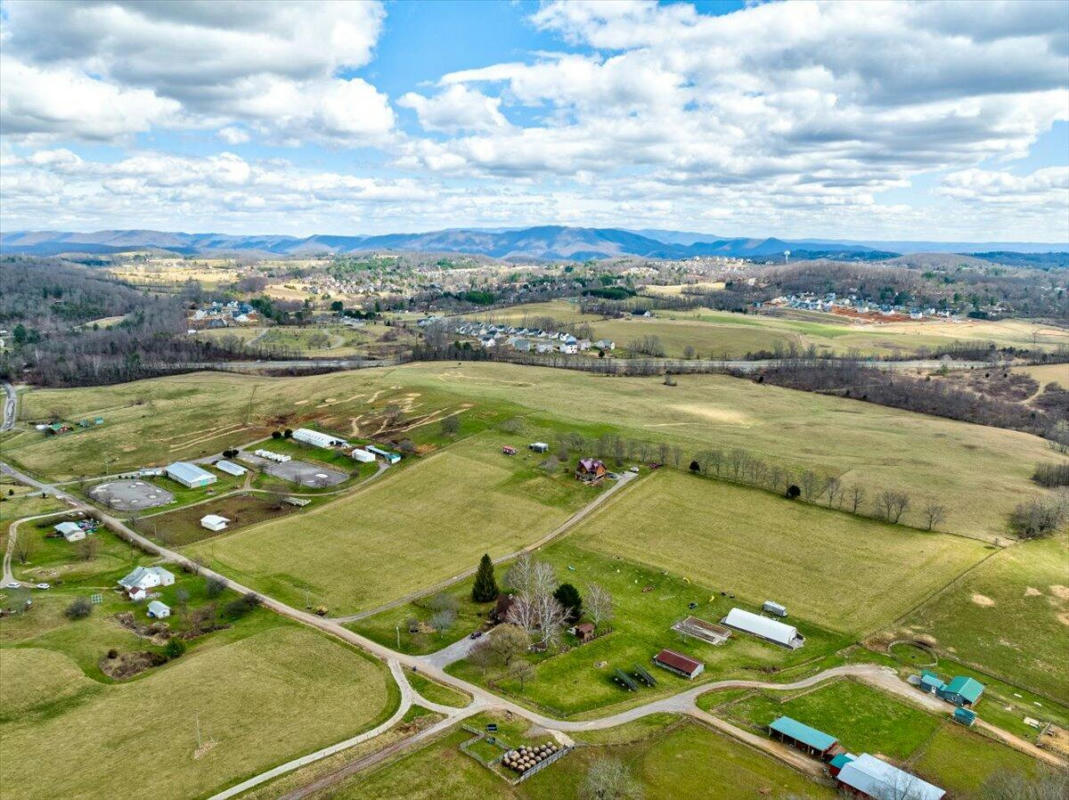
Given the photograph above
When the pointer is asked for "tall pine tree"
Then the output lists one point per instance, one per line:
(485, 588)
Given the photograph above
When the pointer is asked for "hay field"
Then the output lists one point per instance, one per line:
(145, 730)
(1011, 615)
(843, 573)
(978, 472)
(408, 530)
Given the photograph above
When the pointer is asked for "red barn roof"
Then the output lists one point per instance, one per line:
(677, 661)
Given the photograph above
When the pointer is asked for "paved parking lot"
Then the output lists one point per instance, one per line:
(305, 474)
(132, 495)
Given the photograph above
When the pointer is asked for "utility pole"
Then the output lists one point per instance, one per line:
(398, 628)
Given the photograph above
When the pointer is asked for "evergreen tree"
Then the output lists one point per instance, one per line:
(485, 588)
(568, 596)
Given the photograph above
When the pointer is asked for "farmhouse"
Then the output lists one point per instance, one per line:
(230, 468)
(678, 663)
(190, 475)
(763, 627)
(363, 456)
(138, 582)
(869, 777)
(318, 438)
(70, 531)
(158, 610)
(590, 470)
(962, 691)
(809, 740)
(213, 522)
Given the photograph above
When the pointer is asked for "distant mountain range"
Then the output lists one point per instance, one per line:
(553, 242)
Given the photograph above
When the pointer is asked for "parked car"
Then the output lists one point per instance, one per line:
(475, 634)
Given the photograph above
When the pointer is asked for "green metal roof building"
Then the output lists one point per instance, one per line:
(808, 740)
(962, 691)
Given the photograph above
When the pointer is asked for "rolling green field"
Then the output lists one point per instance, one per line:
(722, 334)
(647, 603)
(676, 759)
(237, 693)
(979, 473)
(865, 720)
(1010, 616)
(406, 531)
(845, 573)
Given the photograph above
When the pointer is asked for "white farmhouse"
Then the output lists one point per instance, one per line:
(138, 582)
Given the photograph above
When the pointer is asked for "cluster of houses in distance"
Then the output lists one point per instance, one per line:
(523, 340)
(235, 313)
(857, 308)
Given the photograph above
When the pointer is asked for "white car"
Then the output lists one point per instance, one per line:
(44, 586)
(13, 585)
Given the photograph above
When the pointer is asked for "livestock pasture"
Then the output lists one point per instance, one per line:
(200, 720)
(408, 530)
(977, 472)
(829, 567)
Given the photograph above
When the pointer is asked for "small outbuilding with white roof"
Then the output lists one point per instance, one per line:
(213, 522)
(230, 468)
(158, 610)
(70, 531)
(765, 628)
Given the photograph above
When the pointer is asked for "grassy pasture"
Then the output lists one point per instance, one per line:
(676, 758)
(408, 530)
(182, 527)
(323, 691)
(1011, 615)
(647, 603)
(978, 472)
(867, 720)
(834, 569)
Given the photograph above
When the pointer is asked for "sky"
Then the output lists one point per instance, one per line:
(935, 121)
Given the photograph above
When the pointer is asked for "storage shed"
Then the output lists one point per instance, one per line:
(190, 475)
(763, 627)
(158, 610)
(869, 777)
(538, 447)
(213, 522)
(70, 531)
(799, 735)
(318, 438)
(678, 663)
(230, 468)
(363, 456)
(774, 608)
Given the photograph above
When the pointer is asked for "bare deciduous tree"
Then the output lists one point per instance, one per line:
(522, 613)
(598, 604)
(934, 513)
(810, 482)
(856, 496)
(609, 779)
(892, 504)
(551, 617)
(518, 577)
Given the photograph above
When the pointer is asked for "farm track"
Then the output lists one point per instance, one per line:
(484, 700)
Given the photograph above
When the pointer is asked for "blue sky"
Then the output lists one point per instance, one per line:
(900, 120)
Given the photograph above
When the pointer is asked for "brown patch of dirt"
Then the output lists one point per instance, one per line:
(1063, 618)
(982, 600)
(127, 665)
(1030, 592)
(156, 632)
(1059, 591)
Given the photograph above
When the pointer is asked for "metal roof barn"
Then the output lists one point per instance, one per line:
(318, 438)
(882, 781)
(230, 468)
(778, 632)
(190, 475)
(801, 734)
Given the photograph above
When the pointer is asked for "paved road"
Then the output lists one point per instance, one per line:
(483, 699)
(564, 527)
(10, 402)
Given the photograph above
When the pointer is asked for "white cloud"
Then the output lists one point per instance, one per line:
(233, 135)
(456, 109)
(1047, 187)
(216, 62)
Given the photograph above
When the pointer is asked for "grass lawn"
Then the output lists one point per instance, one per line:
(437, 692)
(240, 693)
(1009, 617)
(865, 719)
(25, 502)
(832, 568)
(182, 527)
(571, 683)
(409, 530)
(978, 472)
(678, 758)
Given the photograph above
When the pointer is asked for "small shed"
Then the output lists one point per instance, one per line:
(774, 608)
(538, 447)
(214, 522)
(931, 683)
(158, 610)
(679, 664)
(964, 716)
(70, 531)
(802, 737)
(584, 631)
(962, 691)
(363, 456)
(230, 468)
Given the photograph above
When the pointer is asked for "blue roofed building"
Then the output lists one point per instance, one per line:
(931, 683)
(962, 691)
(799, 735)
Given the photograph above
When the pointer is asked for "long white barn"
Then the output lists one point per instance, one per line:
(770, 629)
